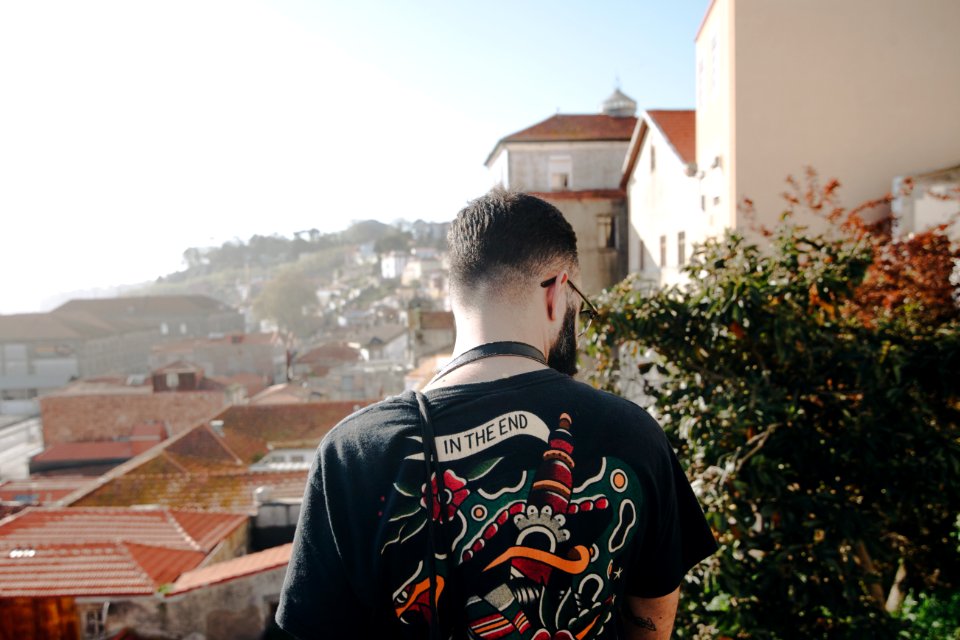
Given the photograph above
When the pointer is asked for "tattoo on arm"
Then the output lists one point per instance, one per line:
(640, 621)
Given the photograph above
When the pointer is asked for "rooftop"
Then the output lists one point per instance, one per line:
(145, 305)
(266, 560)
(203, 470)
(41, 489)
(92, 569)
(572, 128)
(173, 529)
(680, 128)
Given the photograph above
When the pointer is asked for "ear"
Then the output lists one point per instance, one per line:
(554, 296)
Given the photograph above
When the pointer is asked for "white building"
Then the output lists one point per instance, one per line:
(21, 438)
(665, 208)
(924, 201)
(393, 264)
(859, 90)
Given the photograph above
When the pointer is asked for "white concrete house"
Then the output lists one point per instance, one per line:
(575, 161)
(663, 198)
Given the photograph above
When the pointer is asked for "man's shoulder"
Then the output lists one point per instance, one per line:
(374, 421)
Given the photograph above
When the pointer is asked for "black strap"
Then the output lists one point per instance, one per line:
(431, 460)
(489, 350)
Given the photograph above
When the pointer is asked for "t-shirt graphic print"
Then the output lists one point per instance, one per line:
(539, 549)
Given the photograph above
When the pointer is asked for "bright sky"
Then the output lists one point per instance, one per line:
(132, 130)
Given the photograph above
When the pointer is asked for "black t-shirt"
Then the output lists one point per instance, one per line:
(557, 500)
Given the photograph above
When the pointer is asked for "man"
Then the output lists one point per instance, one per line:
(509, 501)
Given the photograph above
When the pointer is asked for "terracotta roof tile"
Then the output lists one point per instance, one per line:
(248, 429)
(86, 452)
(45, 526)
(40, 489)
(78, 570)
(163, 565)
(91, 569)
(286, 393)
(585, 194)
(335, 352)
(266, 560)
(225, 491)
(679, 127)
(437, 320)
(576, 127)
(200, 470)
(145, 305)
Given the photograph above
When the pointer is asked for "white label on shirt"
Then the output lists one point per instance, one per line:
(457, 446)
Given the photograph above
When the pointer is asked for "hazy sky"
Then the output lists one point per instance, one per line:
(132, 130)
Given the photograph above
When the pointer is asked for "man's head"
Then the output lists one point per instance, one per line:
(501, 242)
(502, 246)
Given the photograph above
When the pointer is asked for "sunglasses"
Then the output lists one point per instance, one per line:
(588, 312)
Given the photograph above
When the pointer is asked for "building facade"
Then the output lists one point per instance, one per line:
(860, 90)
(666, 215)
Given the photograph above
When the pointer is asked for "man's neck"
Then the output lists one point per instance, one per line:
(492, 326)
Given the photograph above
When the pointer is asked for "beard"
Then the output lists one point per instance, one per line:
(563, 353)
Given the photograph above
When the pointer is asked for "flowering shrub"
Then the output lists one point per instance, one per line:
(813, 388)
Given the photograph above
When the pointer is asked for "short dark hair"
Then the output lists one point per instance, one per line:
(509, 238)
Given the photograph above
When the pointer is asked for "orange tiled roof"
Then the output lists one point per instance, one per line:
(86, 451)
(286, 393)
(584, 194)
(266, 560)
(184, 530)
(91, 569)
(572, 128)
(223, 490)
(576, 127)
(144, 305)
(437, 320)
(41, 489)
(200, 470)
(327, 352)
(249, 428)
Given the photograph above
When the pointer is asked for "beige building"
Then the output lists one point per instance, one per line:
(665, 209)
(575, 161)
(859, 90)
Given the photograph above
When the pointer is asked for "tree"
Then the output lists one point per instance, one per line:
(812, 387)
(290, 300)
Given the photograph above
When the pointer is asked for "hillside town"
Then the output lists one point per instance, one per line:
(154, 448)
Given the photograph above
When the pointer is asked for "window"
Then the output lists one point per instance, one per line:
(94, 623)
(606, 231)
(173, 381)
(183, 327)
(681, 248)
(164, 328)
(559, 181)
(663, 251)
(716, 201)
(297, 457)
(653, 158)
(559, 170)
(703, 203)
(643, 250)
